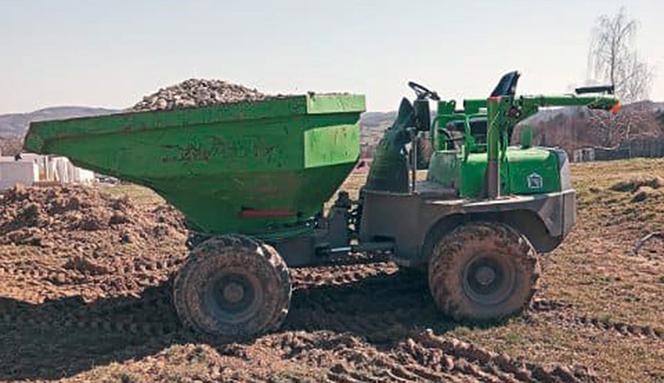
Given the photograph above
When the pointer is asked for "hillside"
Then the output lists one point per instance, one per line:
(16, 124)
(373, 125)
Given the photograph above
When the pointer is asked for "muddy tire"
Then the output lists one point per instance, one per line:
(483, 272)
(232, 288)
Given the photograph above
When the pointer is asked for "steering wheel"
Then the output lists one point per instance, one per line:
(422, 92)
(450, 135)
(450, 141)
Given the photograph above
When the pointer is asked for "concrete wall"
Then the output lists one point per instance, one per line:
(12, 172)
(60, 169)
(33, 167)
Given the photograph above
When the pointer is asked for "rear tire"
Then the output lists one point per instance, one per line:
(232, 288)
(483, 272)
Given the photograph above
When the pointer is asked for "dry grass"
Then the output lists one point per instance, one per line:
(138, 194)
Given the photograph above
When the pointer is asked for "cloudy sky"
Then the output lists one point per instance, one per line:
(111, 53)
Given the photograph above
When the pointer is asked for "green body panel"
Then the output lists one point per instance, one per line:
(449, 169)
(501, 117)
(491, 168)
(536, 163)
(504, 112)
(341, 142)
(257, 168)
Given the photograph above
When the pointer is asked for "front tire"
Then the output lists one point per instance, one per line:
(232, 288)
(482, 272)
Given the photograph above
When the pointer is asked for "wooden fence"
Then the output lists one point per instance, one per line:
(639, 147)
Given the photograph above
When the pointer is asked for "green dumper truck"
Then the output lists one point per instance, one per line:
(252, 179)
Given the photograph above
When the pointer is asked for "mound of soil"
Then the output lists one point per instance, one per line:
(58, 216)
(79, 240)
(633, 184)
(645, 192)
(197, 93)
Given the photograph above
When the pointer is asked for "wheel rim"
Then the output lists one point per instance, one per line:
(233, 297)
(489, 279)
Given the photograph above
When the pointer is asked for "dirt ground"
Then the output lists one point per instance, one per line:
(84, 296)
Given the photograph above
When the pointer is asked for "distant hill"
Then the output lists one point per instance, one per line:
(377, 119)
(16, 124)
(373, 124)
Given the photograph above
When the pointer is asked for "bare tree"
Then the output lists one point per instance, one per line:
(612, 129)
(613, 57)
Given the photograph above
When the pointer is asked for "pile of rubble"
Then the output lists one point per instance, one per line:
(194, 93)
(56, 217)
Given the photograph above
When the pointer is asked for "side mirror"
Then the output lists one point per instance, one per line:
(422, 115)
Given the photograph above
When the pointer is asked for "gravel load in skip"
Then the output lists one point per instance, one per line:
(195, 93)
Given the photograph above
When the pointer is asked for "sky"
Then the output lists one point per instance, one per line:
(112, 53)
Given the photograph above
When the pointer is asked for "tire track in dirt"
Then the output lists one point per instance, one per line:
(434, 358)
(377, 302)
(82, 334)
(151, 315)
(490, 361)
(117, 269)
(380, 302)
(425, 356)
(566, 314)
(614, 327)
(337, 275)
(94, 280)
(127, 314)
